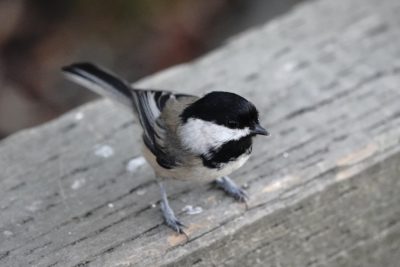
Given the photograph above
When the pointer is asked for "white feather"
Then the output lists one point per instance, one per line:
(153, 105)
(201, 136)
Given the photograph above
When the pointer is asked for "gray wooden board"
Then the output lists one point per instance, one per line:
(324, 188)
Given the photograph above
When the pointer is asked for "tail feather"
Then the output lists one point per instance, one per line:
(145, 103)
(100, 81)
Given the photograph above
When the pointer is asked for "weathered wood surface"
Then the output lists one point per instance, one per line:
(324, 189)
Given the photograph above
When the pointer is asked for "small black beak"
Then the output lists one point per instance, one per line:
(259, 130)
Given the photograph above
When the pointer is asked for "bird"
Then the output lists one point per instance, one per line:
(185, 137)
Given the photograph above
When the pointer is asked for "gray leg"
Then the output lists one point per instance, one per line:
(168, 213)
(232, 189)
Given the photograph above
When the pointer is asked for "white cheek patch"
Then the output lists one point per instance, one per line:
(200, 136)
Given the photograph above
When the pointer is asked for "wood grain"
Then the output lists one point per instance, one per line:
(324, 188)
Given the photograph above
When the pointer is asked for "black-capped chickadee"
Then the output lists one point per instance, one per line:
(185, 137)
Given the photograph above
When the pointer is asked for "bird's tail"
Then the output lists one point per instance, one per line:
(146, 104)
(100, 81)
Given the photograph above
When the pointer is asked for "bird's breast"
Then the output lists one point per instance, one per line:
(194, 170)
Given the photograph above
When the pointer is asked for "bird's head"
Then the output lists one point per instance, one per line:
(218, 118)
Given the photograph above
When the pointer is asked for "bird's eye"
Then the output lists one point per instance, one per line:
(232, 124)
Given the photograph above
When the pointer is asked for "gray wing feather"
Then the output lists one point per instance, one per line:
(147, 104)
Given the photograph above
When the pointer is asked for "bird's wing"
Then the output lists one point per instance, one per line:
(147, 104)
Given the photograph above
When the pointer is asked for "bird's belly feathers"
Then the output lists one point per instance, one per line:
(195, 170)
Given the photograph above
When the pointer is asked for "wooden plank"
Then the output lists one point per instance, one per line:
(324, 188)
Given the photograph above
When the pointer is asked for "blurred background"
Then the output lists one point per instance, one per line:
(134, 38)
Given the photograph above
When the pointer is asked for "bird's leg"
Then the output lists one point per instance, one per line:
(168, 213)
(229, 186)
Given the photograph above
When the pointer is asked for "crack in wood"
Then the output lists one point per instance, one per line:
(32, 250)
(17, 186)
(4, 255)
(115, 246)
(335, 97)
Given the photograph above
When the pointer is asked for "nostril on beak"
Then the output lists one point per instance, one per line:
(258, 129)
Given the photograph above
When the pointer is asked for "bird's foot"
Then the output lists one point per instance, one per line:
(169, 215)
(170, 218)
(229, 186)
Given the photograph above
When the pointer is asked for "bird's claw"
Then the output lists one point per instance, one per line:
(175, 225)
(171, 220)
(226, 184)
(239, 194)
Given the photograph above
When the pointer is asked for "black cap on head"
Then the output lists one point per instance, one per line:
(223, 108)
